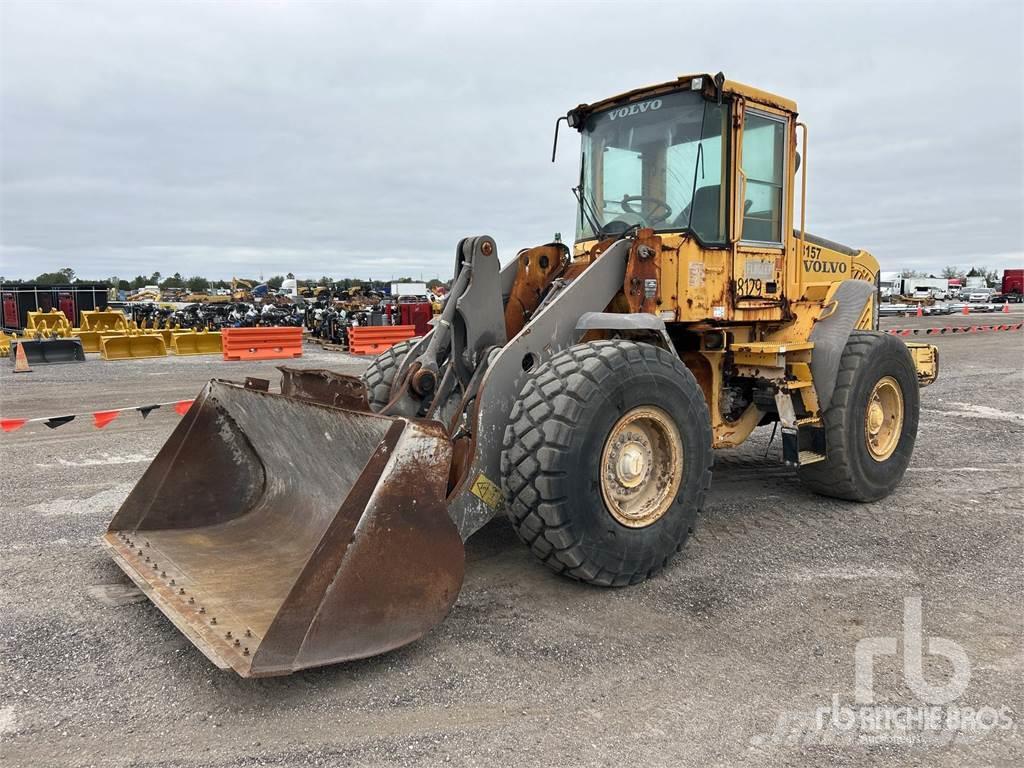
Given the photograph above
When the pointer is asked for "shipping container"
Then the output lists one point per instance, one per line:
(18, 299)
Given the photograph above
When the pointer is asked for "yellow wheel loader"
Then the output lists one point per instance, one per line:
(578, 391)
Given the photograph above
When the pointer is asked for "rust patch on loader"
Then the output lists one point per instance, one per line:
(538, 267)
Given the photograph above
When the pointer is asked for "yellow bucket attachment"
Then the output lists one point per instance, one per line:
(91, 340)
(53, 350)
(131, 347)
(279, 534)
(197, 343)
(167, 336)
(104, 320)
(47, 323)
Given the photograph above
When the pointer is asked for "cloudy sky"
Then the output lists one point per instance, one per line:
(366, 139)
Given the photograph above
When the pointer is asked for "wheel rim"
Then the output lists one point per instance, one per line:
(883, 418)
(641, 466)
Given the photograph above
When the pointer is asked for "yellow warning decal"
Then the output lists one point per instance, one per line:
(487, 492)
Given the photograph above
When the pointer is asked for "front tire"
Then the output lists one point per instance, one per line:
(380, 374)
(871, 423)
(606, 461)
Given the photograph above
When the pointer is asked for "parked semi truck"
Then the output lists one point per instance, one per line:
(1013, 282)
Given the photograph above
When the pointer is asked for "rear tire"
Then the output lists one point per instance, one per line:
(380, 374)
(868, 447)
(606, 461)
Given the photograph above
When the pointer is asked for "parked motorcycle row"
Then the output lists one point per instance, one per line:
(327, 316)
(215, 316)
(330, 320)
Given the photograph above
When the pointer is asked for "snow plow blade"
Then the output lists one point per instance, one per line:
(279, 533)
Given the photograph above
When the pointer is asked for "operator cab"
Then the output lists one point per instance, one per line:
(659, 158)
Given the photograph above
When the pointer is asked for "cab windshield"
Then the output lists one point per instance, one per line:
(654, 163)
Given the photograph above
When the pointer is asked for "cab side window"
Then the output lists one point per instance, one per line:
(764, 160)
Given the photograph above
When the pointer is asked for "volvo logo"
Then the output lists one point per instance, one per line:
(635, 109)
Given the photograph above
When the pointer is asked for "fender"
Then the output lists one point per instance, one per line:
(843, 307)
(634, 322)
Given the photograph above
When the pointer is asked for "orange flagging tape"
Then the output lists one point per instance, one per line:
(100, 419)
(953, 329)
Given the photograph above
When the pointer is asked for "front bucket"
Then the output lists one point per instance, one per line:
(131, 347)
(46, 351)
(280, 534)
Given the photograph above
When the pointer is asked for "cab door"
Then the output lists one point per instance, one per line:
(762, 209)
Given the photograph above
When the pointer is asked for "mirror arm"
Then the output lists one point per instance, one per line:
(554, 146)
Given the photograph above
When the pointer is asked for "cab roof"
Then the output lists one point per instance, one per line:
(706, 85)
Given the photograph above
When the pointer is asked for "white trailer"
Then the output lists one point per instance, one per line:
(924, 287)
(408, 289)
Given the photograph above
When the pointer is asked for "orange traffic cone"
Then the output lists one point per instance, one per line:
(21, 361)
(1006, 308)
(920, 312)
(967, 309)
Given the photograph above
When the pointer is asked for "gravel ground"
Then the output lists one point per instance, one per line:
(724, 659)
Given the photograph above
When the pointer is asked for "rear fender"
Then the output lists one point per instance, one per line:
(843, 307)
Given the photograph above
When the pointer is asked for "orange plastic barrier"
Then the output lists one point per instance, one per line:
(261, 343)
(373, 339)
